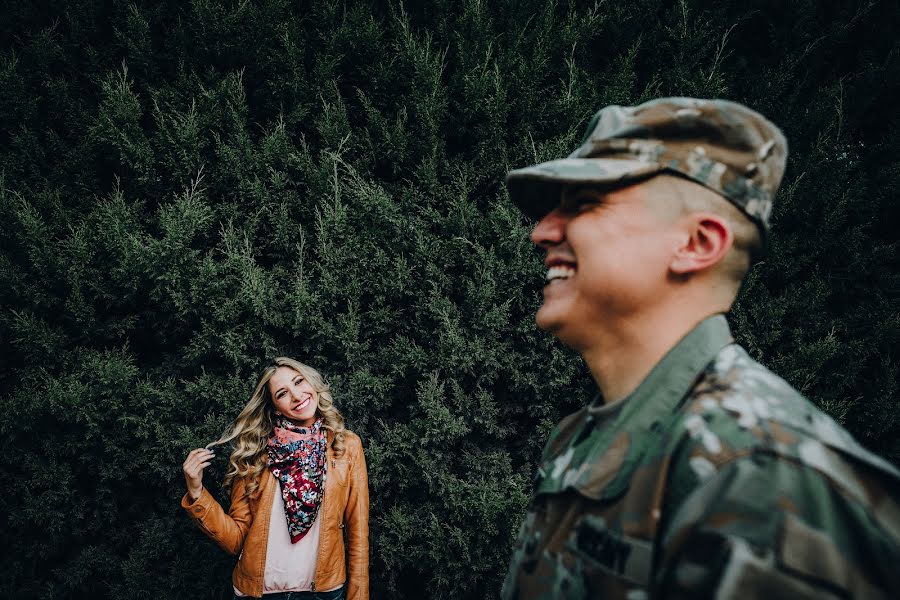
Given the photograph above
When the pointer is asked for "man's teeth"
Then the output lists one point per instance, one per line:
(560, 272)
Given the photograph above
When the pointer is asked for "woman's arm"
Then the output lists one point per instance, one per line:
(356, 520)
(227, 530)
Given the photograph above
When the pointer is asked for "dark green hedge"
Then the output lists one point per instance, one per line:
(189, 188)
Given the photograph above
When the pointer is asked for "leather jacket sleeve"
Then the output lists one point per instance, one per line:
(356, 519)
(229, 529)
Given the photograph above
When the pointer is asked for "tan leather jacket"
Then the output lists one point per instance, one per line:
(343, 535)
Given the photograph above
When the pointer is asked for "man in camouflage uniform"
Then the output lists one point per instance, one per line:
(696, 472)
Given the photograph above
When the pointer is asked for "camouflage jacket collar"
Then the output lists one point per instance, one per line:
(595, 450)
(669, 382)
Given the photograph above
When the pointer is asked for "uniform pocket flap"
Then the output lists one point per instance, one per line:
(601, 473)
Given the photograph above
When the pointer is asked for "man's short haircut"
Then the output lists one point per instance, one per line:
(673, 197)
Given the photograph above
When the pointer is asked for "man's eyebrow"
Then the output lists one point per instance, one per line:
(581, 194)
(593, 190)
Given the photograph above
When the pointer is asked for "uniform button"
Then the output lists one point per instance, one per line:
(198, 509)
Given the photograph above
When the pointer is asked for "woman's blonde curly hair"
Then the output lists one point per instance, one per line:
(254, 426)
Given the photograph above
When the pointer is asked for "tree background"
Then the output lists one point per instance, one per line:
(188, 189)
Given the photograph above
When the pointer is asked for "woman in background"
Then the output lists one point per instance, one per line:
(299, 515)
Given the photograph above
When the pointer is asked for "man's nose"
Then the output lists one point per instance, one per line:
(551, 229)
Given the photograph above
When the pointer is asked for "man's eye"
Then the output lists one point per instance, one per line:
(577, 205)
(583, 204)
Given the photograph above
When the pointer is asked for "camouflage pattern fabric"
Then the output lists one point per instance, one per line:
(714, 478)
(721, 145)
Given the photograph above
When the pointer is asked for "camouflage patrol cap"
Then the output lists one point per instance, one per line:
(721, 145)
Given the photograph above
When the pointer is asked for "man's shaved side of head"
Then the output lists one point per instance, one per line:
(672, 197)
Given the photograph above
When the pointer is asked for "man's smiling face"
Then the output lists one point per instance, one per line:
(607, 259)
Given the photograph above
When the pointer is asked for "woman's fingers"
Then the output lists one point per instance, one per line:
(196, 466)
(196, 461)
(199, 452)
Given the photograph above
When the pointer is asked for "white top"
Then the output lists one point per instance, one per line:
(289, 567)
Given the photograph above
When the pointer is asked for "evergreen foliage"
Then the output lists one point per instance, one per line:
(190, 188)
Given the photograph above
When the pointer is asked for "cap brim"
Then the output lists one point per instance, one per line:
(536, 189)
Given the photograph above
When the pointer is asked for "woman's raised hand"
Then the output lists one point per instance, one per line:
(193, 467)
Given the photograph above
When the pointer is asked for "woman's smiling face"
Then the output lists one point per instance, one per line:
(293, 396)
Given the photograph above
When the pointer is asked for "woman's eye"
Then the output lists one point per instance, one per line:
(298, 382)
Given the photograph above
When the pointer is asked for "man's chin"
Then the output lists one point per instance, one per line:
(543, 320)
(559, 324)
(548, 320)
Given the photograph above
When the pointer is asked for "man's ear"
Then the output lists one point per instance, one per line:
(708, 239)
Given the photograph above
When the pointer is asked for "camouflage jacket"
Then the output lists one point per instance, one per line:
(714, 478)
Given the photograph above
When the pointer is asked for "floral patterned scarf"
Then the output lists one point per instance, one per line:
(297, 460)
